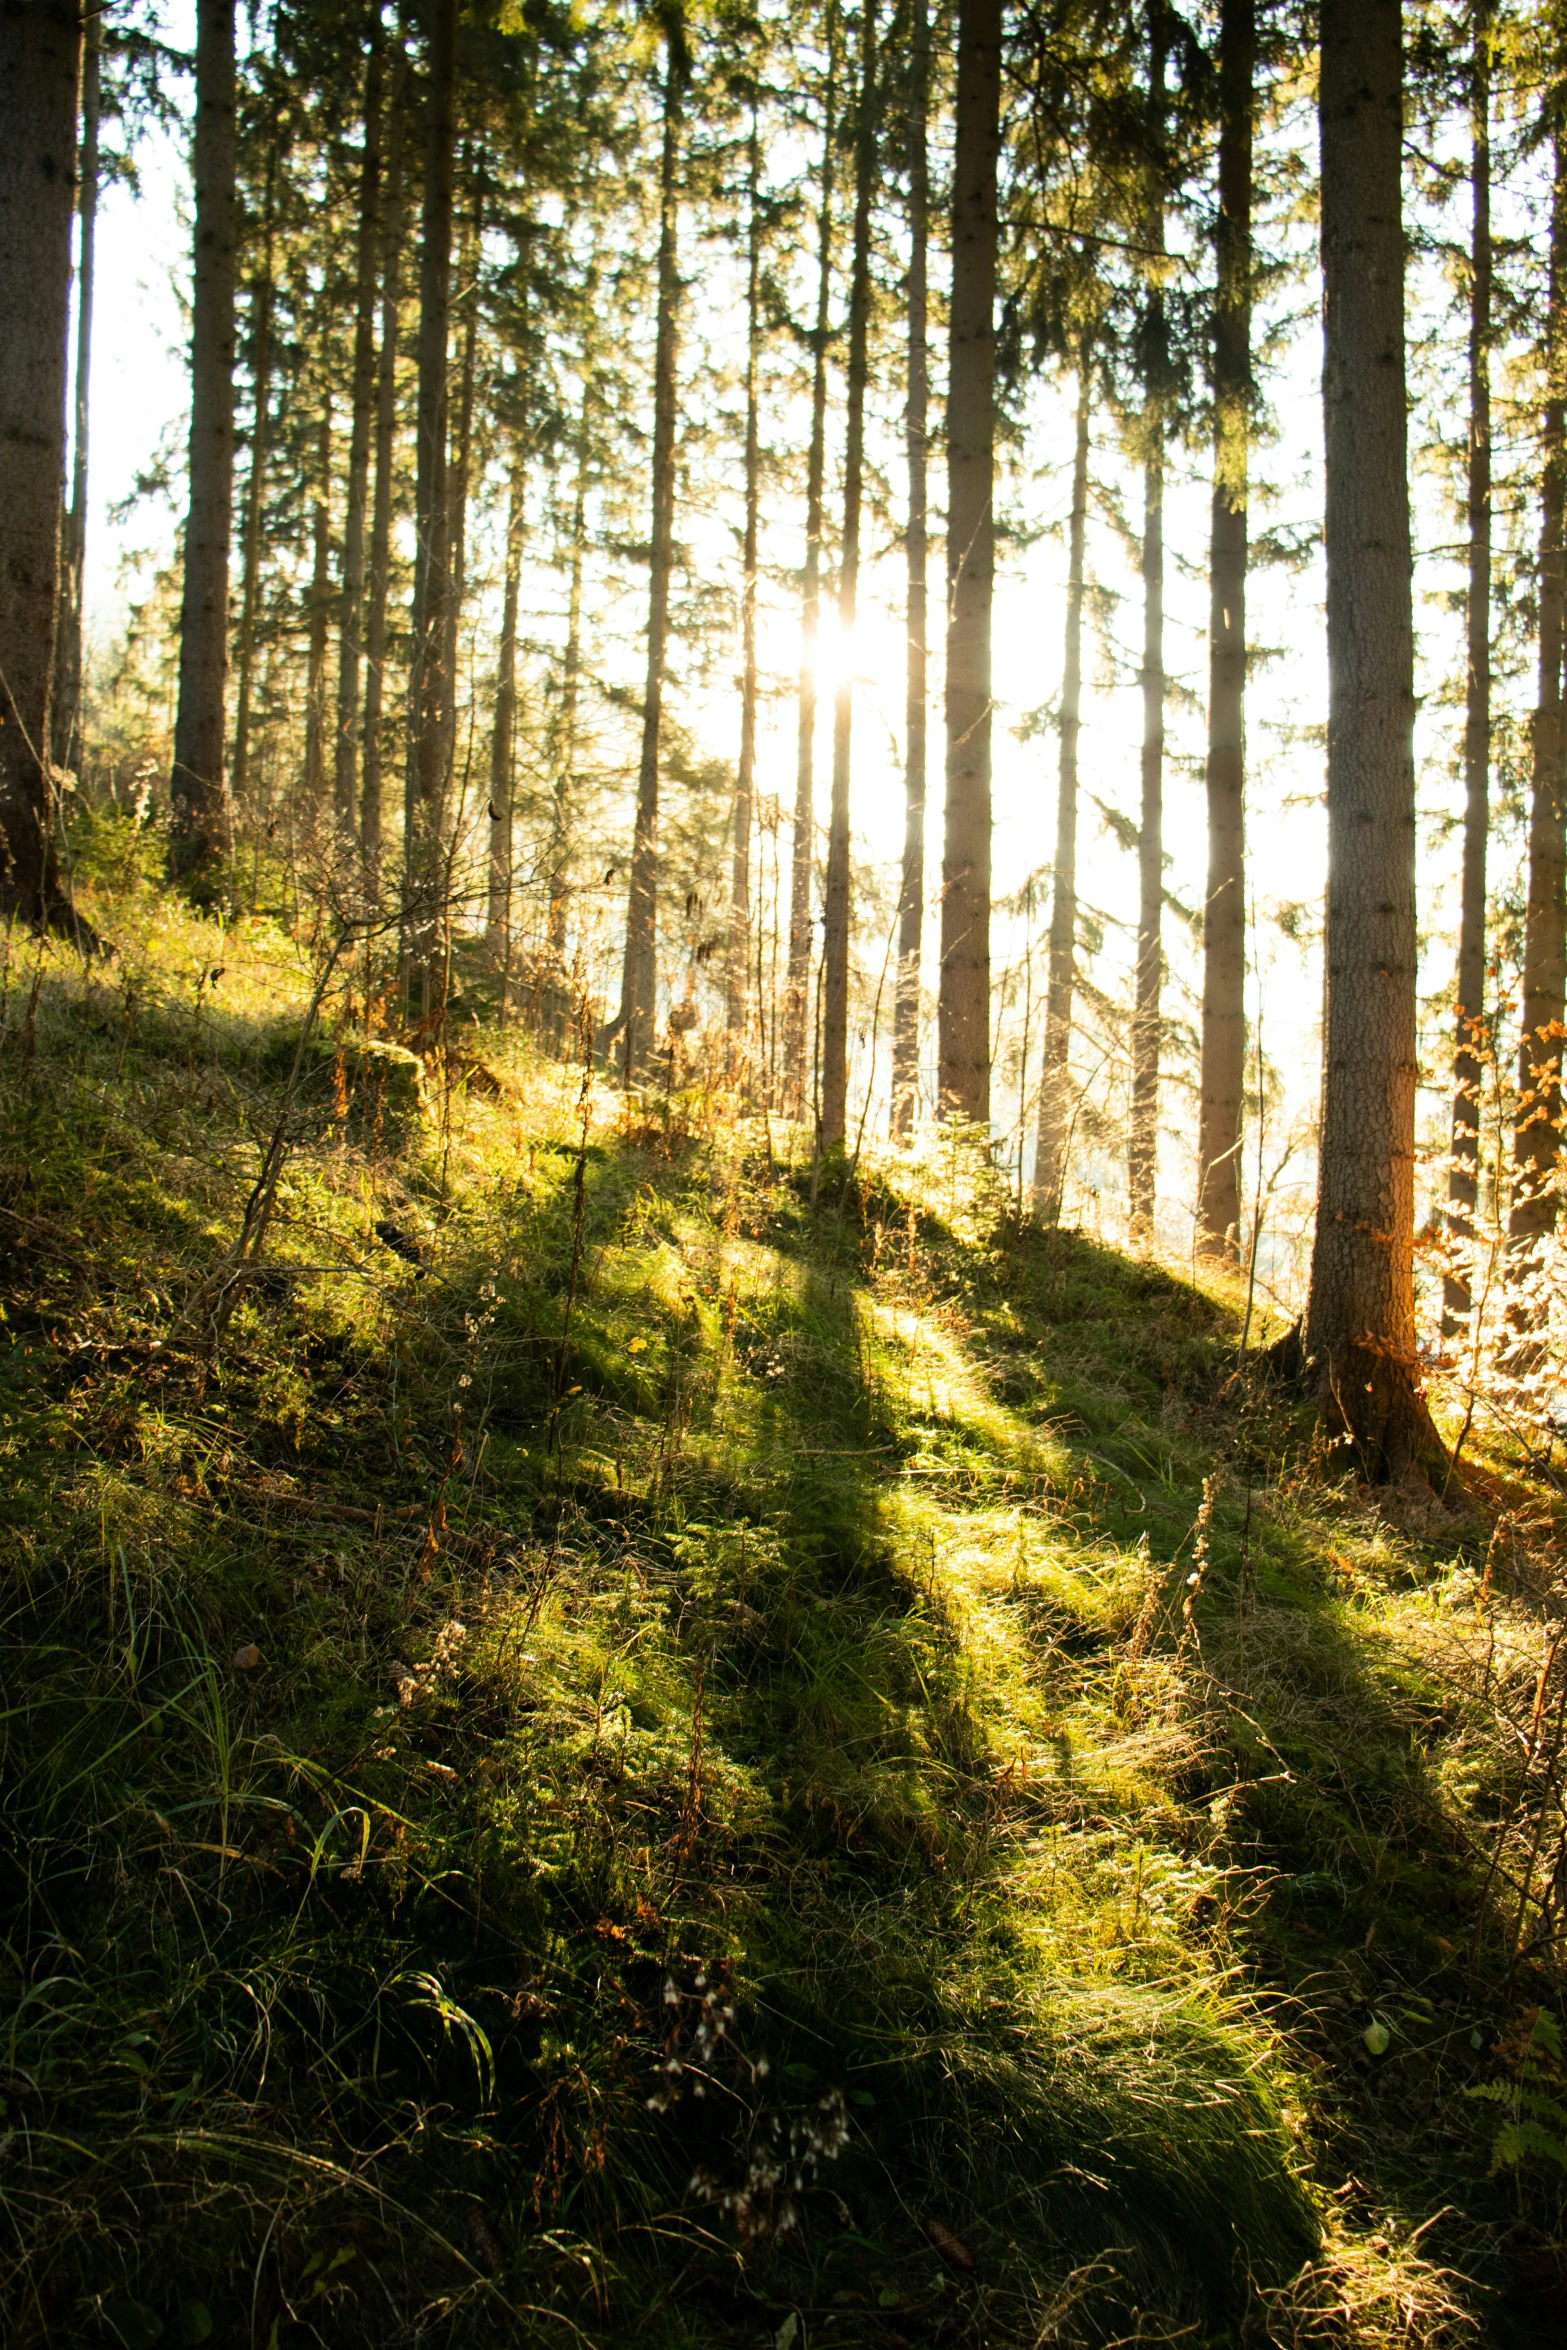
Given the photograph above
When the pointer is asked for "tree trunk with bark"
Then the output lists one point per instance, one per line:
(798, 987)
(459, 469)
(497, 928)
(1223, 1077)
(320, 620)
(350, 659)
(963, 1005)
(371, 814)
(911, 902)
(1469, 1025)
(66, 695)
(1148, 981)
(639, 984)
(835, 940)
(200, 841)
(1055, 1090)
(1360, 1315)
(262, 297)
(564, 759)
(739, 972)
(430, 682)
(1537, 1141)
(40, 66)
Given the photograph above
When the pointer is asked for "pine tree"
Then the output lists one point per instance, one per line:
(1223, 1076)
(345, 765)
(40, 68)
(911, 903)
(963, 1005)
(737, 986)
(66, 697)
(200, 801)
(1360, 1315)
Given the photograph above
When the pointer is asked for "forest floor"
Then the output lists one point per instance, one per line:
(614, 1737)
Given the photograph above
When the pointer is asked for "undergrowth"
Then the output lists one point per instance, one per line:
(640, 1739)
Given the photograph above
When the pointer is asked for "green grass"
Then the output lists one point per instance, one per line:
(740, 1817)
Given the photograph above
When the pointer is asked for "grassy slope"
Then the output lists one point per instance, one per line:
(842, 1868)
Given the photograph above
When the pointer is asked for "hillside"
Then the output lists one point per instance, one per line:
(610, 1736)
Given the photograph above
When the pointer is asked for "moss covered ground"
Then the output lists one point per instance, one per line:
(611, 1735)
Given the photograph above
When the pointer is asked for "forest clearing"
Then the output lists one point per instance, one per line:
(782, 1346)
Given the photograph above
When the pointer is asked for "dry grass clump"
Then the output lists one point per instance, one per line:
(1371, 2293)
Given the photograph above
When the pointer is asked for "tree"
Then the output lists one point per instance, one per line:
(1360, 1314)
(431, 683)
(739, 971)
(371, 815)
(1223, 1076)
(66, 698)
(963, 1004)
(835, 942)
(1143, 1156)
(345, 763)
(1055, 1091)
(503, 739)
(639, 985)
(1463, 1179)
(200, 840)
(911, 901)
(40, 66)
(1537, 1133)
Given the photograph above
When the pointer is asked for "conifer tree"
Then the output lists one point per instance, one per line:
(346, 748)
(66, 697)
(1360, 1314)
(963, 1006)
(911, 904)
(196, 787)
(835, 941)
(1143, 1153)
(1222, 1080)
(737, 986)
(40, 68)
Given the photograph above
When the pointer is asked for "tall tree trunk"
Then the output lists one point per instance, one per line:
(1223, 1079)
(262, 296)
(66, 696)
(562, 817)
(797, 993)
(1143, 1154)
(1537, 1141)
(911, 903)
(320, 623)
(963, 1007)
(1463, 1175)
(40, 69)
(835, 941)
(460, 464)
(497, 928)
(639, 985)
(371, 815)
(196, 788)
(345, 764)
(430, 683)
(1360, 1315)
(739, 972)
(1055, 1091)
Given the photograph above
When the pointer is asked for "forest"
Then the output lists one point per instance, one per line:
(783, 1310)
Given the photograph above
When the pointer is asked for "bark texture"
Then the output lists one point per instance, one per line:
(963, 1006)
(497, 929)
(367, 253)
(1360, 1325)
(1223, 1078)
(798, 989)
(564, 747)
(66, 697)
(739, 970)
(430, 682)
(1148, 979)
(911, 903)
(378, 583)
(1469, 1038)
(1055, 1089)
(639, 985)
(320, 622)
(262, 295)
(196, 786)
(1537, 1135)
(40, 63)
(835, 941)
